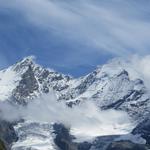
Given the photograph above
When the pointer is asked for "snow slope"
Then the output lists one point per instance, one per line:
(110, 86)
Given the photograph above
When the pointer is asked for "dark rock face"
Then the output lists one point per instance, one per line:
(51, 79)
(86, 83)
(84, 146)
(144, 130)
(101, 143)
(26, 87)
(126, 145)
(65, 141)
(7, 133)
(2, 145)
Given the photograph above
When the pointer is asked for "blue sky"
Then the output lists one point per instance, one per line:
(73, 37)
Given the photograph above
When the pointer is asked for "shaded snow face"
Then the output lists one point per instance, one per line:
(86, 120)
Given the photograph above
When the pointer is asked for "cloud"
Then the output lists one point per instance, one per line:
(9, 112)
(138, 67)
(84, 124)
(118, 27)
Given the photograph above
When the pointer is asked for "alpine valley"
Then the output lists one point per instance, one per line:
(110, 87)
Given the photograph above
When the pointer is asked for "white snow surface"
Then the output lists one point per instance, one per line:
(34, 135)
(106, 85)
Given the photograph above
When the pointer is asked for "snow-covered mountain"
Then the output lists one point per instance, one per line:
(109, 86)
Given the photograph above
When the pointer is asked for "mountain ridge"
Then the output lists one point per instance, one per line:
(109, 86)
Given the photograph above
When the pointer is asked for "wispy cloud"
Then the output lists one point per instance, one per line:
(138, 67)
(117, 26)
(84, 125)
(71, 34)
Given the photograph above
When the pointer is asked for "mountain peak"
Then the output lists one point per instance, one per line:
(25, 63)
(29, 59)
(112, 68)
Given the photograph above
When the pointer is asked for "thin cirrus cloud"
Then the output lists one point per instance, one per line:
(87, 31)
(116, 26)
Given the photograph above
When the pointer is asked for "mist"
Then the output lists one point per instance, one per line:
(85, 121)
(137, 67)
(141, 68)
